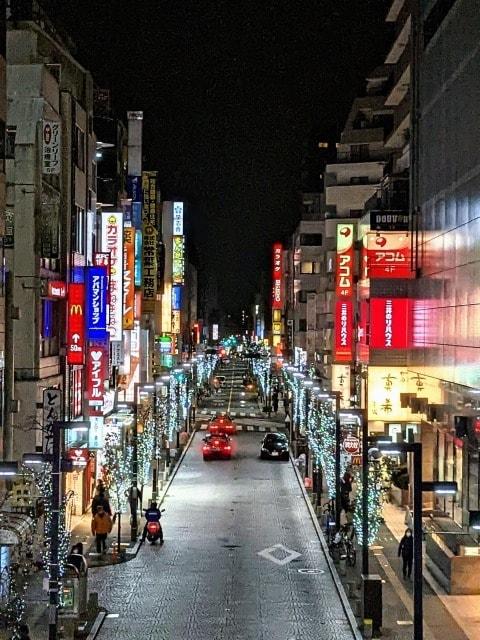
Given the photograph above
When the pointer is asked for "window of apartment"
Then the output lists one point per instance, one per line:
(359, 152)
(302, 295)
(359, 180)
(311, 239)
(309, 267)
(302, 324)
(49, 329)
(79, 148)
(78, 230)
(10, 143)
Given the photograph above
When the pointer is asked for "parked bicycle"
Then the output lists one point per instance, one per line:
(328, 517)
(342, 544)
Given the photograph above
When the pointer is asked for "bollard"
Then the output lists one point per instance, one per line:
(367, 628)
(343, 565)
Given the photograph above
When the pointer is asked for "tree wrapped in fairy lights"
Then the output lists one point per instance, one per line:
(378, 479)
(145, 450)
(321, 439)
(117, 465)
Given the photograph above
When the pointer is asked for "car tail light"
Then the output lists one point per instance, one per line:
(228, 447)
(206, 448)
(216, 443)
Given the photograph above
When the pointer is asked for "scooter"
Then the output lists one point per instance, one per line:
(154, 529)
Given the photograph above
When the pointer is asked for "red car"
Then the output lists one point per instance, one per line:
(217, 446)
(222, 424)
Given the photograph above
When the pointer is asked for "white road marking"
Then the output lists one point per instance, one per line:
(250, 427)
(268, 554)
(242, 414)
(261, 428)
(253, 415)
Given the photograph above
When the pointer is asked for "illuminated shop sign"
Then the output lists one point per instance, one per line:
(177, 297)
(138, 258)
(178, 260)
(176, 327)
(96, 302)
(343, 330)
(386, 255)
(75, 324)
(389, 221)
(178, 218)
(56, 289)
(149, 187)
(277, 275)
(112, 242)
(390, 323)
(128, 277)
(149, 268)
(341, 383)
(97, 372)
(344, 261)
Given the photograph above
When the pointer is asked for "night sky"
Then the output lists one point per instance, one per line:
(235, 95)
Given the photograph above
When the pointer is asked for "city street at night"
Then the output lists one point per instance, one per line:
(208, 581)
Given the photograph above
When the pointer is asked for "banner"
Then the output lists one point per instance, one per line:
(390, 323)
(96, 302)
(75, 323)
(177, 219)
(149, 188)
(149, 268)
(344, 261)
(277, 276)
(178, 260)
(343, 331)
(112, 242)
(97, 372)
(128, 277)
(387, 255)
(51, 147)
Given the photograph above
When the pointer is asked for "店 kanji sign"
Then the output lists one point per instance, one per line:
(390, 323)
(277, 275)
(75, 323)
(343, 331)
(344, 262)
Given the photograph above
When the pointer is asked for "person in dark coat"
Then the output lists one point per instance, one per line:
(345, 490)
(24, 632)
(101, 501)
(405, 549)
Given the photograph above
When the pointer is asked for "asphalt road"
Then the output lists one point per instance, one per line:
(208, 582)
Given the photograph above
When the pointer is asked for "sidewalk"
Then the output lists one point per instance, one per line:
(452, 617)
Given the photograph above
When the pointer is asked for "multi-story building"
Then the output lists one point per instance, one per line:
(51, 195)
(304, 280)
(5, 396)
(446, 320)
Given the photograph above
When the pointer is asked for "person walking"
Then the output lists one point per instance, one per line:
(275, 401)
(101, 500)
(286, 405)
(345, 490)
(101, 527)
(405, 549)
(24, 632)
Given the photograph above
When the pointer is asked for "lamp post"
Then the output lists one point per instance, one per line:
(162, 386)
(418, 486)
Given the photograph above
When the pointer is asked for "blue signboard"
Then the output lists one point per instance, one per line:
(96, 302)
(138, 258)
(177, 297)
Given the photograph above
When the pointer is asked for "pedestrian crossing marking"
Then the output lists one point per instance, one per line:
(253, 415)
(243, 414)
(245, 428)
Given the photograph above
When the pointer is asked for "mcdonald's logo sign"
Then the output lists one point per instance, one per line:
(76, 324)
(76, 310)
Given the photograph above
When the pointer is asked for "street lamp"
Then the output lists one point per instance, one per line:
(418, 486)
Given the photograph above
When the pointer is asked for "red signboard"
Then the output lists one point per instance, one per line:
(344, 262)
(343, 331)
(79, 457)
(387, 255)
(390, 323)
(277, 275)
(76, 323)
(351, 444)
(57, 289)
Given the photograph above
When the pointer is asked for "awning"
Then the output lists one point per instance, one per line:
(14, 527)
